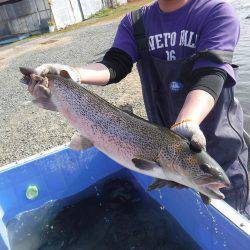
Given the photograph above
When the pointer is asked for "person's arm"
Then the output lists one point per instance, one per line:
(198, 104)
(95, 73)
(116, 64)
(219, 32)
(208, 84)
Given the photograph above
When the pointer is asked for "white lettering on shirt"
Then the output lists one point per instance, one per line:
(171, 55)
(151, 43)
(158, 40)
(166, 37)
(173, 40)
(188, 39)
(182, 38)
(190, 44)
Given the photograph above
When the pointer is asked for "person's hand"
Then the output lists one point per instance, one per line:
(59, 69)
(38, 83)
(191, 130)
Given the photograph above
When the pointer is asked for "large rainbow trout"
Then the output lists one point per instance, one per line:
(129, 140)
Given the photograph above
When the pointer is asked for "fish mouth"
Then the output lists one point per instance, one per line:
(221, 181)
(213, 190)
(212, 186)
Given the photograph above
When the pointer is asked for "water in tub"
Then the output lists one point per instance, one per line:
(112, 214)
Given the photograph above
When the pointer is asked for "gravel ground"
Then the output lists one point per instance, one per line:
(25, 129)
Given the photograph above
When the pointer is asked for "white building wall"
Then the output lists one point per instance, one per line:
(67, 12)
(113, 3)
(90, 7)
(24, 16)
(121, 1)
(63, 13)
(76, 10)
(32, 15)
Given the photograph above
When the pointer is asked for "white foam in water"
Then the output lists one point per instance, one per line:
(24, 230)
(215, 227)
(160, 194)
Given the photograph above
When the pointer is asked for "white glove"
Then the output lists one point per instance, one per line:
(191, 130)
(59, 69)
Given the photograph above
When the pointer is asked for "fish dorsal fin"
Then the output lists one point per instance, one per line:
(143, 164)
(128, 108)
(79, 142)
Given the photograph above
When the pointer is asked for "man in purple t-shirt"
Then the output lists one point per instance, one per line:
(183, 50)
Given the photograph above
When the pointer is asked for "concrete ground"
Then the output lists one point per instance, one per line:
(24, 128)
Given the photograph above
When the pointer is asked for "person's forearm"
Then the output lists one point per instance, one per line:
(197, 106)
(96, 73)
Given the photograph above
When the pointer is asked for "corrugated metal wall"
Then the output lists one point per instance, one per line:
(32, 15)
(113, 3)
(121, 1)
(90, 7)
(108, 3)
(67, 12)
(24, 16)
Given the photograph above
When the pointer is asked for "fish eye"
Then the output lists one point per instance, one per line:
(194, 149)
(205, 168)
(210, 170)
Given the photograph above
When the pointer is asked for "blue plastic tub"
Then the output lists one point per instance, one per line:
(62, 173)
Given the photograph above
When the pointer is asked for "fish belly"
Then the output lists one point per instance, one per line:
(108, 131)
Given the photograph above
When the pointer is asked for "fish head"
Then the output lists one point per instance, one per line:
(197, 170)
(210, 177)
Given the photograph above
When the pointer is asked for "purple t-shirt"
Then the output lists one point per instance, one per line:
(198, 25)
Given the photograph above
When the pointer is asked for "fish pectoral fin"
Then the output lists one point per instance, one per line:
(79, 142)
(144, 164)
(159, 183)
(45, 103)
(206, 200)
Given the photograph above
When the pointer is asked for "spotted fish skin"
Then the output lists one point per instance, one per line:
(116, 133)
(132, 141)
